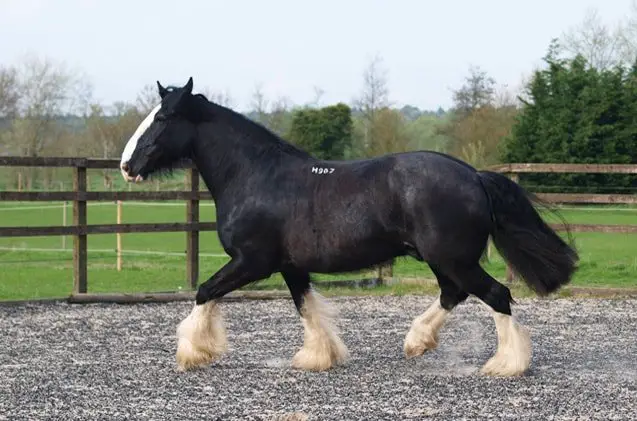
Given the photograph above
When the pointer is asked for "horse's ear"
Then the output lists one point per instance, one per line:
(162, 91)
(188, 87)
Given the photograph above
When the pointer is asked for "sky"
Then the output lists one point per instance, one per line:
(288, 47)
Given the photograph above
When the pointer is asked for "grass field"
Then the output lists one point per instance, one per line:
(38, 267)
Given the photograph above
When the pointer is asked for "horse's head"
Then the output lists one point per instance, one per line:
(164, 137)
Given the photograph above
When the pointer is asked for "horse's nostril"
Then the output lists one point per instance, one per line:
(125, 166)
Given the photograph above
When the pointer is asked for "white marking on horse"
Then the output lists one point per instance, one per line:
(132, 142)
(319, 170)
(513, 356)
(322, 347)
(423, 334)
(201, 337)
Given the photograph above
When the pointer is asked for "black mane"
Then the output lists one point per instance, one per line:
(267, 140)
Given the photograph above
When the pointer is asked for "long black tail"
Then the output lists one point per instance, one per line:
(530, 246)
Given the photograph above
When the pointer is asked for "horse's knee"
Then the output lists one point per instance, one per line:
(212, 289)
(203, 294)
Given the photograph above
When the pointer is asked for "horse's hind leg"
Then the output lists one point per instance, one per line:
(423, 334)
(513, 355)
(322, 347)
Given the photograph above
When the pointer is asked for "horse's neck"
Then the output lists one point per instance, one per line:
(226, 164)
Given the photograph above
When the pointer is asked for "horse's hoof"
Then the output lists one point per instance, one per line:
(201, 338)
(507, 364)
(497, 367)
(309, 361)
(416, 346)
(321, 359)
(190, 357)
(513, 356)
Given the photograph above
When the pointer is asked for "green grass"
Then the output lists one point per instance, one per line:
(608, 260)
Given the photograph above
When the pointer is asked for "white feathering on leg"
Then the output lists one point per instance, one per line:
(322, 347)
(513, 355)
(201, 337)
(423, 334)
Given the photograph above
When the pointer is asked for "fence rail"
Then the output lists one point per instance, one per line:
(513, 171)
(80, 196)
(80, 228)
(106, 229)
(565, 168)
(102, 196)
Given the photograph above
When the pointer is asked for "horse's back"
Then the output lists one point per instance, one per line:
(345, 214)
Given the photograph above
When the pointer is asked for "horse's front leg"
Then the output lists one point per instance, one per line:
(322, 347)
(201, 337)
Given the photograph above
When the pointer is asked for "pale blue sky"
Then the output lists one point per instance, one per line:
(290, 46)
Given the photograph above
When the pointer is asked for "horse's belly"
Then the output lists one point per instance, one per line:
(341, 251)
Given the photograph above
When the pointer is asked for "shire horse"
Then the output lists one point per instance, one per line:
(280, 210)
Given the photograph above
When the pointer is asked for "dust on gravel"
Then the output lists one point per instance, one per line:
(72, 362)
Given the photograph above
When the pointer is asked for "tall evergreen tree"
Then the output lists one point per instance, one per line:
(576, 113)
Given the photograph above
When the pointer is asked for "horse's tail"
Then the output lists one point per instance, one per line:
(530, 246)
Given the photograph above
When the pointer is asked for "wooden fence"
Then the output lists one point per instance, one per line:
(514, 171)
(80, 196)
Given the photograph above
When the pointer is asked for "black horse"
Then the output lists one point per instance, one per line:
(281, 210)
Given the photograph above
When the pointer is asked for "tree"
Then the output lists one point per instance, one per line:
(147, 99)
(576, 113)
(481, 117)
(477, 91)
(374, 96)
(43, 92)
(9, 92)
(628, 37)
(410, 112)
(425, 133)
(47, 90)
(107, 133)
(279, 119)
(259, 104)
(595, 41)
(276, 115)
(390, 133)
(318, 94)
(222, 98)
(325, 133)
(602, 45)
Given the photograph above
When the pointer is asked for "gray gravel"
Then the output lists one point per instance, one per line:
(89, 362)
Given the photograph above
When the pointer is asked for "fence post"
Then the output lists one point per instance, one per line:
(386, 269)
(119, 236)
(79, 240)
(510, 276)
(64, 219)
(192, 237)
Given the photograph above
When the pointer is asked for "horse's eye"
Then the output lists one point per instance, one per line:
(161, 117)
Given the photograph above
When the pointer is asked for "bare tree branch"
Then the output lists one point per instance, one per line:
(259, 103)
(147, 99)
(222, 98)
(601, 45)
(374, 96)
(9, 92)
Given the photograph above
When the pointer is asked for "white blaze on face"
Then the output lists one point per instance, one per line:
(132, 142)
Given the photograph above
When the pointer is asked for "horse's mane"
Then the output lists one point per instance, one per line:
(259, 135)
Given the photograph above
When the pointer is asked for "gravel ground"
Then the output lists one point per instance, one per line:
(90, 362)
